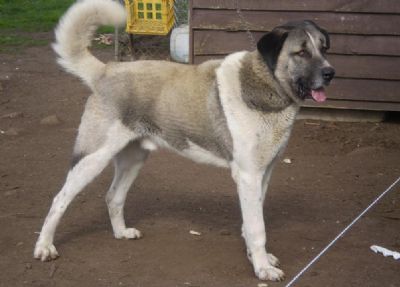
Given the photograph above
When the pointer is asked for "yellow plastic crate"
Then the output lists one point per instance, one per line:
(150, 17)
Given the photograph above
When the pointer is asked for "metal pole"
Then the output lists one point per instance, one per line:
(116, 44)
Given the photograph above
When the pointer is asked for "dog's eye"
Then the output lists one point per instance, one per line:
(302, 53)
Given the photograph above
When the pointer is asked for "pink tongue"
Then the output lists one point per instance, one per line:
(318, 95)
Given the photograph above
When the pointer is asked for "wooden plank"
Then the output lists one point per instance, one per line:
(360, 67)
(364, 90)
(363, 6)
(365, 45)
(206, 42)
(366, 67)
(191, 33)
(218, 42)
(354, 105)
(342, 23)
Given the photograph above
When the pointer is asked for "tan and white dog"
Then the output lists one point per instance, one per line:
(236, 113)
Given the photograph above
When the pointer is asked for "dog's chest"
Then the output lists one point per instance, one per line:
(260, 138)
(257, 136)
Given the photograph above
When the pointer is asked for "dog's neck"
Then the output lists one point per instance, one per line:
(260, 89)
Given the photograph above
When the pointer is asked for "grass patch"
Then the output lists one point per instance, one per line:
(105, 30)
(20, 18)
(31, 15)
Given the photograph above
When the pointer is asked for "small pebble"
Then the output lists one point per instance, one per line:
(11, 132)
(194, 232)
(11, 192)
(287, 160)
(52, 120)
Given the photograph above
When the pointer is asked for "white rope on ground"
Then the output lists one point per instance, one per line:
(295, 278)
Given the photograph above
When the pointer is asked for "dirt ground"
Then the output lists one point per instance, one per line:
(336, 170)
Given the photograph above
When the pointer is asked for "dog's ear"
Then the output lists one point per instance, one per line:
(270, 45)
(323, 32)
(326, 35)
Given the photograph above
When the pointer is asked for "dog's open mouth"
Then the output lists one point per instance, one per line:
(318, 95)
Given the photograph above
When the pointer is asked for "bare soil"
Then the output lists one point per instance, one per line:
(336, 170)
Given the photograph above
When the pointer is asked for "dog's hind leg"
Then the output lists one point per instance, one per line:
(127, 165)
(84, 171)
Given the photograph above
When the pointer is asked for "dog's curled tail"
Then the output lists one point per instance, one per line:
(75, 31)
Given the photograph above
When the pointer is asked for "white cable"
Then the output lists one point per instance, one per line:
(295, 278)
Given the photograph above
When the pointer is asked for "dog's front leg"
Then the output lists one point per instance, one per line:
(251, 195)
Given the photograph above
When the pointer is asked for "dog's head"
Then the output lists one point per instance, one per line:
(296, 55)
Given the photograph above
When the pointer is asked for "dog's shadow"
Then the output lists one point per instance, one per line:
(144, 208)
(168, 188)
(171, 189)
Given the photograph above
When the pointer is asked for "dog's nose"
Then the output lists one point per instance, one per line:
(328, 73)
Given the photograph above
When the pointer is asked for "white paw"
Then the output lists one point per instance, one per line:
(45, 252)
(270, 257)
(273, 260)
(128, 233)
(270, 273)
